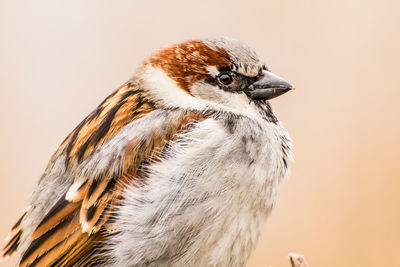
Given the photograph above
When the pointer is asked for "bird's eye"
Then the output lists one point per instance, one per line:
(225, 78)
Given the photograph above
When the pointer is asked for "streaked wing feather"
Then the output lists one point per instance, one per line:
(54, 242)
(57, 214)
(13, 240)
(72, 228)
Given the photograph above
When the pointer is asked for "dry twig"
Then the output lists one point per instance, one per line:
(297, 260)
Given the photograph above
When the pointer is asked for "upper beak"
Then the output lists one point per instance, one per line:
(268, 86)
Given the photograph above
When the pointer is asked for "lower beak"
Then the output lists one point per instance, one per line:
(268, 86)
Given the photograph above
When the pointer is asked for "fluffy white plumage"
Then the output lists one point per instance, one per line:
(221, 184)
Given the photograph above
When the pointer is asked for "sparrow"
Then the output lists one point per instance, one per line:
(180, 166)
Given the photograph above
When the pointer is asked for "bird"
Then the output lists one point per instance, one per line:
(180, 166)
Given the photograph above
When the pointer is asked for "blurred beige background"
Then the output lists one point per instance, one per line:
(341, 205)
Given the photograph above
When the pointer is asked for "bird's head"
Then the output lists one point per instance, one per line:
(220, 71)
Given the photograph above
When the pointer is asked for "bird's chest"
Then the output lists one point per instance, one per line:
(207, 201)
(249, 165)
(252, 156)
(232, 175)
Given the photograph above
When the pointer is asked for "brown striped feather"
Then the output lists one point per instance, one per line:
(64, 251)
(13, 240)
(96, 190)
(17, 225)
(57, 214)
(58, 258)
(53, 254)
(89, 215)
(65, 233)
(103, 215)
(11, 245)
(123, 106)
(81, 253)
(61, 239)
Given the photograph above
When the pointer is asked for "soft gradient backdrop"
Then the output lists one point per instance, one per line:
(341, 205)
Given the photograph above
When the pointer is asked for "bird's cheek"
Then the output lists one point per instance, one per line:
(202, 91)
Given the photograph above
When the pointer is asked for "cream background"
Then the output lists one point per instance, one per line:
(340, 207)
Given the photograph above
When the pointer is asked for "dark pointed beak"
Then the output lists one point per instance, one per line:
(268, 86)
